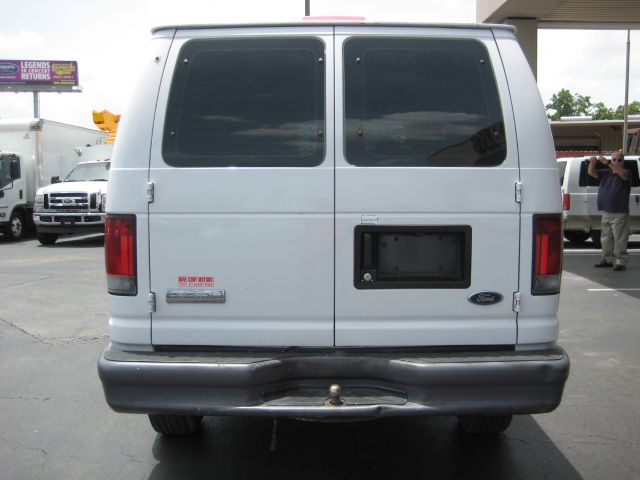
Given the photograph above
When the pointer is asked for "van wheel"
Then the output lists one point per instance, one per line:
(47, 238)
(485, 424)
(16, 226)
(576, 236)
(175, 424)
(595, 237)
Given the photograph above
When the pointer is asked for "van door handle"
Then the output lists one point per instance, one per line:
(637, 197)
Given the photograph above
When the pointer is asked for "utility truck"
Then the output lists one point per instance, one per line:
(32, 152)
(76, 205)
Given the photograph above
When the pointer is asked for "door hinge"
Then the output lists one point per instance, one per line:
(150, 192)
(516, 302)
(518, 192)
(152, 302)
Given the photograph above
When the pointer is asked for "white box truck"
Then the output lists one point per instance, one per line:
(33, 151)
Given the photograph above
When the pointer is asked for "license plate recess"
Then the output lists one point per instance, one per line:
(412, 256)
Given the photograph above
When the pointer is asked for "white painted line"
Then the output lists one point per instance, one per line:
(583, 251)
(613, 289)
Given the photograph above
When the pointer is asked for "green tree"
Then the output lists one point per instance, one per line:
(600, 111)
(566, 104)
(634, 109)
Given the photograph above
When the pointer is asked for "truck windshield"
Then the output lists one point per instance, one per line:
(92, 172)
(5, 170)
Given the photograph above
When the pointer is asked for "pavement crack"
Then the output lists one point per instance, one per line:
(20, 397)
(24, 447)
(36, 337)
(56, 341)
(27, 282)
(131, 458)
(73, 340)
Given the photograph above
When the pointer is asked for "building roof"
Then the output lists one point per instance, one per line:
(618, 14)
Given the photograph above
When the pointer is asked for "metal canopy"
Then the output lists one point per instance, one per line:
(584, 14)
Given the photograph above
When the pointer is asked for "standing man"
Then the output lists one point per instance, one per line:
(613, 200)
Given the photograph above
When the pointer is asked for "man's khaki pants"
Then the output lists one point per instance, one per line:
(614, 238)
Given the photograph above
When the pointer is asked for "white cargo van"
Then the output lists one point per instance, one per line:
(334, 221)
(581, 217)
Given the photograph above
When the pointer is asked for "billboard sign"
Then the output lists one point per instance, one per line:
(38, 75)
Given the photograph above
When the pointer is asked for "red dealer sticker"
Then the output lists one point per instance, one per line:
(194, 281)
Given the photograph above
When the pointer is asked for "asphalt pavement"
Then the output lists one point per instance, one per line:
(56, 424)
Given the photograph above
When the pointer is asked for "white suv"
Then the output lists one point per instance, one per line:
(329, 221)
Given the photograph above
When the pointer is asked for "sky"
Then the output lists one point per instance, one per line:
(110, 39)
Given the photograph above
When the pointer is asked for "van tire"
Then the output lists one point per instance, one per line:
(175, 424)
(490, 424)
(595, 237)
(47, 238)
(576, 236)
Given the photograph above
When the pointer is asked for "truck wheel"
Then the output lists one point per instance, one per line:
(576, 236)
(16, 226)
(47, 238)
(175, 424)
(485, 424)
(595, 236)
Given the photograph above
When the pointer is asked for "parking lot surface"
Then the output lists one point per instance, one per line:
(56, 424)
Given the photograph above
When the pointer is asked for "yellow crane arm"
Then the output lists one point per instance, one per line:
(107, 122)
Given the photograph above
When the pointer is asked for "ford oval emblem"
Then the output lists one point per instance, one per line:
(8, 68)
(485, 298)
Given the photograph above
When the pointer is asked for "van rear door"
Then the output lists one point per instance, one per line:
(427, 217)
(241, 226)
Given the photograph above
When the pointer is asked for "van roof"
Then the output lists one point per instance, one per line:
(336, 23)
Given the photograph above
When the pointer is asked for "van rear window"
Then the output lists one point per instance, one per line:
(587, 180)
(562, 167)
(421, 102)
(246, 102)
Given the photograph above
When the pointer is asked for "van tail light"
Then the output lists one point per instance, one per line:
(120, 254)
(566, 202)
(547, 254)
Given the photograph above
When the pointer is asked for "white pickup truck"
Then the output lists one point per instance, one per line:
(76, 205)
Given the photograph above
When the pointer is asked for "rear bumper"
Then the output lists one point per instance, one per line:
(583, 223)
(587, 223)
(374, 384)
